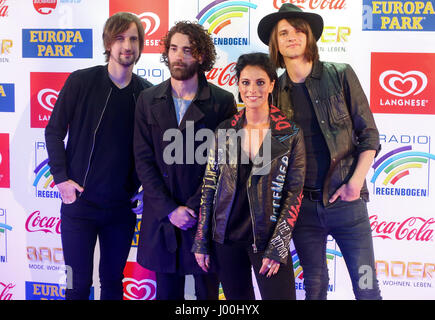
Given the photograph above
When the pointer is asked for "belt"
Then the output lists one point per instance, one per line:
(313, 194)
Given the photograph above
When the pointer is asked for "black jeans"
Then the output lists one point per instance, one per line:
(234, 270)
(81, 224)
(348, 223)
(170, 286)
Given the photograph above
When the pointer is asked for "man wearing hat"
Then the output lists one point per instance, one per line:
(341, 138)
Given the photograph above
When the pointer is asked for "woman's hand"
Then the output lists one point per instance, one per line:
(203, 261)
(270, 266)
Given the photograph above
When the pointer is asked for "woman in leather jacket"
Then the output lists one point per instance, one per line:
(252, 191)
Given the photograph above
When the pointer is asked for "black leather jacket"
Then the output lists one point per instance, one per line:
(344, 117)
(274, 187)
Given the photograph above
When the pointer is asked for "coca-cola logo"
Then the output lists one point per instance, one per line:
(3, 8)
(223, 76)
(47, 98)
(403, 84)
(313, 4)
(44, 6)
(5, 291)
(144, 289)
(35, 222)
(411, 229)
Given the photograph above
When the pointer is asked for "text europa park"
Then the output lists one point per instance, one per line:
(413, 8)
(63, 37)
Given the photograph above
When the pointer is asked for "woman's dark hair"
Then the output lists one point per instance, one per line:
(200, 40)
(258, 59)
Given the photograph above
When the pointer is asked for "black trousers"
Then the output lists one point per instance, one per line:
(81, 224)
(170, 286)
(234, 269)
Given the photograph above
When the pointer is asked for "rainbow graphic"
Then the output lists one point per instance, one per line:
(4, 227)
(397, 164)
(43, 171)
(219, 14)
(297, 268)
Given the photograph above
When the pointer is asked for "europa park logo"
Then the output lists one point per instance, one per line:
(217, 16)
(402, 83)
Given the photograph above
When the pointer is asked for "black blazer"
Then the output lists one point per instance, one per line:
(167, 186)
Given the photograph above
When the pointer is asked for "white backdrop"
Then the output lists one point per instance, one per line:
(390, 44)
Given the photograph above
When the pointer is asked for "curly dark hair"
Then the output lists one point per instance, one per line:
(200, 39)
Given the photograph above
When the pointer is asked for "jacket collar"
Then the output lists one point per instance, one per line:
(281, 129)
(316, 73)
(280, 126)
(164, 110)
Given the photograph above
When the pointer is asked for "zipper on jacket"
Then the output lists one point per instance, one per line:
(93, 140)
(254, 246)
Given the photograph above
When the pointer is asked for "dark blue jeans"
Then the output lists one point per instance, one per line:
(348, 223)
(81, 224)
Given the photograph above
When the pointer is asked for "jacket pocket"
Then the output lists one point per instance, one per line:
(338, 111)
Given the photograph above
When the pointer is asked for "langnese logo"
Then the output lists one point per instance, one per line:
(7, 97)
(44, 90)
(402, 83)
(224, 19)
(154, 16)
(139, 283)
(57, 43)
(4, 161)
(403, 170)
(43, 182)
(5, 228)
(44, 7)
(332, 253)
(398, 15)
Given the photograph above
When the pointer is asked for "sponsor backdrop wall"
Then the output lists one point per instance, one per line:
(390, 44)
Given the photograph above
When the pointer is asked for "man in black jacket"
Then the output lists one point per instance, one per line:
(185, 103)
(341, 139)
(96, 174)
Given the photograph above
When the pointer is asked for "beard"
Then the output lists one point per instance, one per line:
(184, 73)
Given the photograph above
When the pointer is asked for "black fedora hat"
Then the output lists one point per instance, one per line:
(286, 11)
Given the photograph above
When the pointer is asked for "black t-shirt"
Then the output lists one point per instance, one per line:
(317, 152)
(110, 179)
(239, 226)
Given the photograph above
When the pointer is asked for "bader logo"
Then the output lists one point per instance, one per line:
(219, 14)
(403, 171)
(398, 15)
(57, 43)
(402, 83)
(154, 16)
